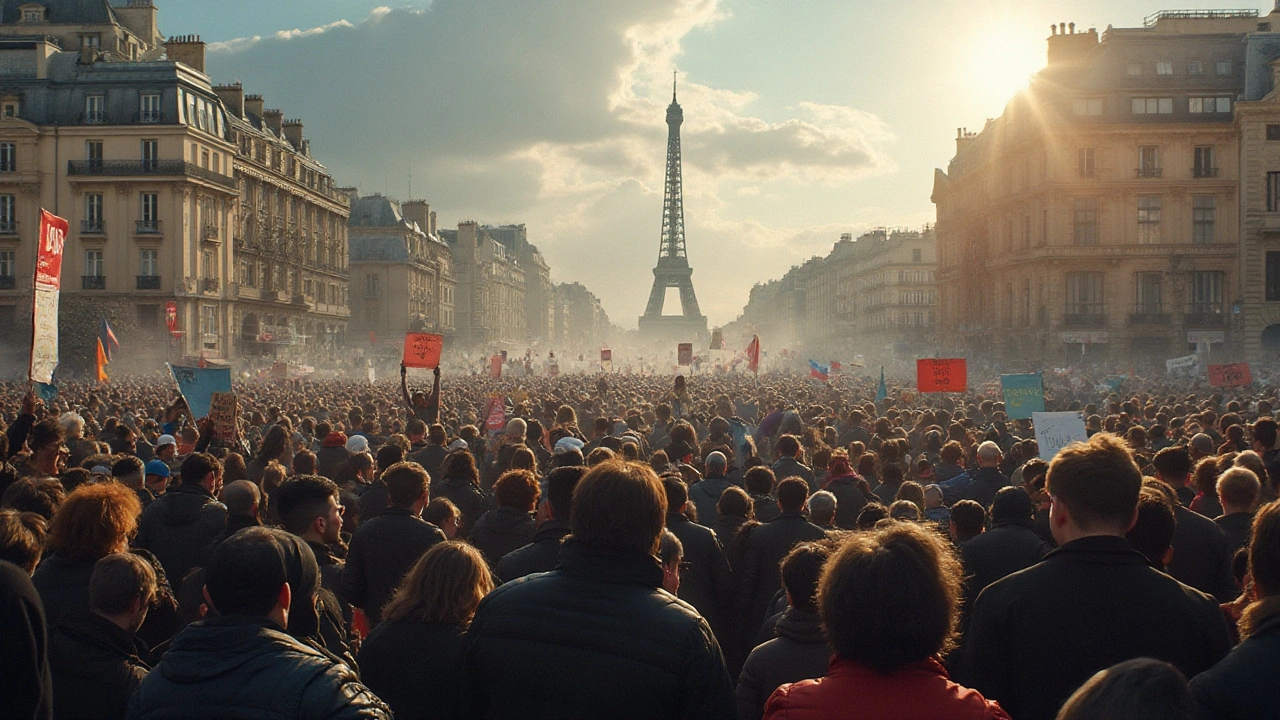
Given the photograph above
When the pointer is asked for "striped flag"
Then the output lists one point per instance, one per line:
(107, 340)
(819, 372)
(100, 364)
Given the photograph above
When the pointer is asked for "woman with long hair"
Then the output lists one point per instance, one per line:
(460, 483)
(413, 659)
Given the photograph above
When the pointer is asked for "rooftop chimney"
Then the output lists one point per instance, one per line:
(186, 49)
(293, 133)
(274, 119)
(233, 97)
(417, 211)
(253, 105)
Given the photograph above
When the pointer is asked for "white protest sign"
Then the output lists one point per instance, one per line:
(1056, 430)
(1185, 361)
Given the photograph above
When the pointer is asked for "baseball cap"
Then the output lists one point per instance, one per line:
(165, 440)
(157, 467)
(565, 444)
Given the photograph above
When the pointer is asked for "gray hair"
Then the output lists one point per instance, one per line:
(822, 507)
(72, 424)
(717, 462)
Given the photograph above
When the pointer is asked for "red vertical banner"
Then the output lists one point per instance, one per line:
(44, 308)
(171, 317)
(753, 354)
(495, 414)
(495, 367)
(941, 375)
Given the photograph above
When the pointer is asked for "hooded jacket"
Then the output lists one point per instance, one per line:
(178, 525)
(500, 531)
(332, 453)
(799, 652)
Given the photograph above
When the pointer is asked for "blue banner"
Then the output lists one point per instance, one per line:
(1023, 395)
(198, 385)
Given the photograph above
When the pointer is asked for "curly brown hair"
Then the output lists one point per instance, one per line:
(94, 521)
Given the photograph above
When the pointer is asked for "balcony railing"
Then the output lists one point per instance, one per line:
(151, 116)
(209, 232)
(148, 282)
(1204, 172)
(1204, 316)
(1148, 316)
(8, 282)
(210, 284)
(91, 227)
(1084, 320)
(148, 227)
(95, 117)
(8, 227)
(116, 168)
(1150, 172)
(93, 282)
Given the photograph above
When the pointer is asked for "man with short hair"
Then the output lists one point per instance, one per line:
(1264, 431)
(987, 479)
(183, 521)
(543, 552)
(706, 582)
(821, 507)
(156, 481)
(432, 454)
(242, 663)
(766, 547)
(1037, 635)
(1009, 546)
(1173, 468)
(706, 492)
(787, 465)
(598, 636)
(1201, 557)
(383, 549)
(1238, 490)
(96, 656)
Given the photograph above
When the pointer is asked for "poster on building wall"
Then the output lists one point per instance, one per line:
(1023, 395)
(422, 350)
(44, 304)
(941, 375)
(1233, 375)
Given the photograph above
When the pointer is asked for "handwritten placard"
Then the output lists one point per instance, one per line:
(222, 412)
(422, 350)
(941, 375)
(1023, 395)
(1233, 375)
(1056, 430)
(1181, 363)
(684, 354)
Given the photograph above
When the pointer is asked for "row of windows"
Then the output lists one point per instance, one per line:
(1202, 163)
(95, 109)
(1086, 297)
(1156, 105)
(1165, 68)
(1149, 207)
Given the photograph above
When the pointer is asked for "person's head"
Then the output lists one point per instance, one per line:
(363, 466)
(1238, 490)
(677, 493)
(792, 492)
(1264, 434)
(524, 459)
(671, 556)
(121, 589)
(45, 440)
(735, 502)
(407, 486)
(1264, 564)
(560, 484)
(1093, 487)
(248, 574)
(309, 507)
(242, 499)
(911, 492)
(415, 428)
(787, 446)
(442, 513)
(890, 597)
(716, 464)
(156, 477)
(822, 508)
(599, 455)
(94, 521)
(30, 495)
(445, 585)
(517, 489)
(619, 507)
(72, 425)
(968, 517)
(871, 514)
(388, 455)
(1173, 465)
(801, 569)
(1152, 533)
(989, 454)
(22, 537)
(932, 497)
(904, 510)
(759, 480)
(458, 464)
(202, 469)
(1011, 504)
(128, 471)
(1139, 689)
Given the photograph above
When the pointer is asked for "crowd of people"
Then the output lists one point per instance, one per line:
(583, 546)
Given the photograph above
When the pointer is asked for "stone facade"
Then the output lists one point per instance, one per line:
(1258, 123)
(490, 298)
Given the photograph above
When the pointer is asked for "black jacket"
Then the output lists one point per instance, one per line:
(760, 577)
(329, 459)
(248, 667)
(472, 500)
(706, 582)
(540, 555)
(1243, 686)
(502, 530)
(704, 495)
(849, 499)
(1003, 550)
(26, 691)
(786, 467)
(985, 484)
(415, 667)
(1037, 635)
(63, 584)
(430, 458)
(373, 500)
(1237, 527)
(96, 667)
(726, 529)
(381, 552)
(596, 638)
(1201, 556)
(799, 652)
(765, 507)
(178, 526)
(333, 612)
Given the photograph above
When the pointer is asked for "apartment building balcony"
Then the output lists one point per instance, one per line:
(210, 284)
(209, 232)
(93, 282)
(1149, 315)
(1204, 316)
(148, 227)
(1204, 172)
(148, 282)
(1150, 172)
(92, 227)
(121, 168)
(1084, 320)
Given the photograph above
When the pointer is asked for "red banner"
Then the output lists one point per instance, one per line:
(53, 236)
(44, 301)
(941, 375)
(753, 354)
(495, 415)
(1233, 375)
(171, 316)
(422, 350)
(495, 367)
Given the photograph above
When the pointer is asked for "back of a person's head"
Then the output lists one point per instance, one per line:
(304, 463)
(197, 466)
(822, 507)
(1264, 551)
(241, 497)
(801, 569)
(988, 453)
(94, 521)
(1152, 534)
(1011, 504)
(904, 510)
(759, 480)
(969, 517)
(1097, 481)
(517, 489)
(303, 499)
(717, 463)
(560, 484)
(1265, 431)
(118, 581)
(792, 492)
(1139, 689)
(891, 474)
(42, 497)
(445, 585)
(440, 510)
(788, 445)
(619, 507)
(22, 536)
(735, 501)
(676, 491)
(889, 597)
(406, 482)
(1238, 487)
(245, 572)
(389, 455)
(870, 514)
(1173, 463)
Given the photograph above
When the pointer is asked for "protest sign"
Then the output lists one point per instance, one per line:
(941, 375)
(495, 367)
(44, 306)
(422, 350)
(1186, 361)
(198, 385)
(684, 354)
(223, 412)
(495, 415)
(1233, 375)
(606, 360)
(1056, 430)
(1023, 395)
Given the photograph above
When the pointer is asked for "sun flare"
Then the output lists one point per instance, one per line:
(1001, 62)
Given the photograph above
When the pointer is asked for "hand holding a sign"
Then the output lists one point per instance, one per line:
(422, 350)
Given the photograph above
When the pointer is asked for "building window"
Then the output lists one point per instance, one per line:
(1195, 68)
(1164, 68)
(150, 154)
(149, 109)
(1273, 132)
(1152, 106)
(1150, 296)
(1134, 69)
(1223, 67)
(150, 211)
(372, 286)
(1084, 293)
(93, 266)
(1085, 230)
(210, 264)
(1203, 212)
(1273, 276)
(1085, 158)
(1203, 166)
(93, 212)
(8, 214)
(1201, 105)
(8, 157)
(33, 15)
(916, 255)
(209, 325)
(1206, 292)
(1149, 161)
(1148, 219)
(93, 110)
(1086, 106)
(8, 266)
(93, 40)
(93, 153)
(9, 108)
(1026, 231)
(149, 262)
(1273, 192)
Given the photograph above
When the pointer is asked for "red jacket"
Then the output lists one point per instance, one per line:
(850, 691)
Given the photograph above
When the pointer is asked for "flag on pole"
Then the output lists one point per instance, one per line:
(107, 338)
(882, 392)
(753, 354)
(818, 372)
(100, 363)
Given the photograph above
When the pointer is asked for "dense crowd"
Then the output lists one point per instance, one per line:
(584, 546)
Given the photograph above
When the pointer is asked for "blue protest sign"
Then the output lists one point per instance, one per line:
(1023, 395)
(198, 385)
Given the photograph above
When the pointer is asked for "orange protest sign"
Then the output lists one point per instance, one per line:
(1233, 375)
(422, 350)
(941, 375)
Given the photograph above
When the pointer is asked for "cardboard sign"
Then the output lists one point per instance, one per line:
(1186, 361)
(1023, 395)
(606, 360)
(941, 375)
(422, 350)
(1056, 430)
(684, 354)
(1233, 375)
(223, 412)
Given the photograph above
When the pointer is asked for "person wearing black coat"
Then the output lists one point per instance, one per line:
(759, 578)
(1201, 555)
(1009, 546)
(414, 666)
(987, 478)
(706, 493)
(461, 485)
(502, 530)
(850, 498)
(706, 582)
(26, 688)
(598, 636)
(540, 555)
(181, 523)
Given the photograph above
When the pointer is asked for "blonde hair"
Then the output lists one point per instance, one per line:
(445, 585)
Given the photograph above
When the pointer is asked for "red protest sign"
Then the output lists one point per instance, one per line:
(495, 415)
(495, 367)
(53, 236)
(422, 350)
(684, 354)
(941, 375)
(1233, 375)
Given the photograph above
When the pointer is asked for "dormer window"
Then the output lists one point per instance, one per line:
(33, 13)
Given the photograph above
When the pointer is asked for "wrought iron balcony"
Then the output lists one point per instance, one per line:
(1204, 172)
(148, 282)
(117, 168)
(1084, 320)
(93, 282)
(1149, 315)
(8, 227)
(8, 282)
(92, 227)
(148, 227)
(1202, 315)
(151, 116)
(1150, 172)
(95, 117)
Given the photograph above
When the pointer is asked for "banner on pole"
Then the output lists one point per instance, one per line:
(1233, 375)
(1023, 395)
(422, 350)
(44, 304)
(198, 385)
(495, 367)
(1180, 363)
(941, 375)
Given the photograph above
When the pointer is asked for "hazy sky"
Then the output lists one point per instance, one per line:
(803, 119)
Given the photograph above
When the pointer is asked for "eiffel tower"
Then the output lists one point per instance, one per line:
(673, 269)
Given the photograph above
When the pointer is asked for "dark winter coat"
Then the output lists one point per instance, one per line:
(502, 530)
(26, 690)
(63, 584)
(704, 495)
(1237, 527)
(96, 667)
(1201, 555)
(849, 499)
(986, 482)
(415, 667)
(373, 500)
(726, 529)
(787, 467)
(542, 554)
(430, 458)
(1003, 550)
(595, 638)
(706, 582)
(329, 459)
(249, 667)
(799, 652)
(760, 577)
(1243, 686)
(381, 552)
(1037, 635)
(178, 525)
(472, 500)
